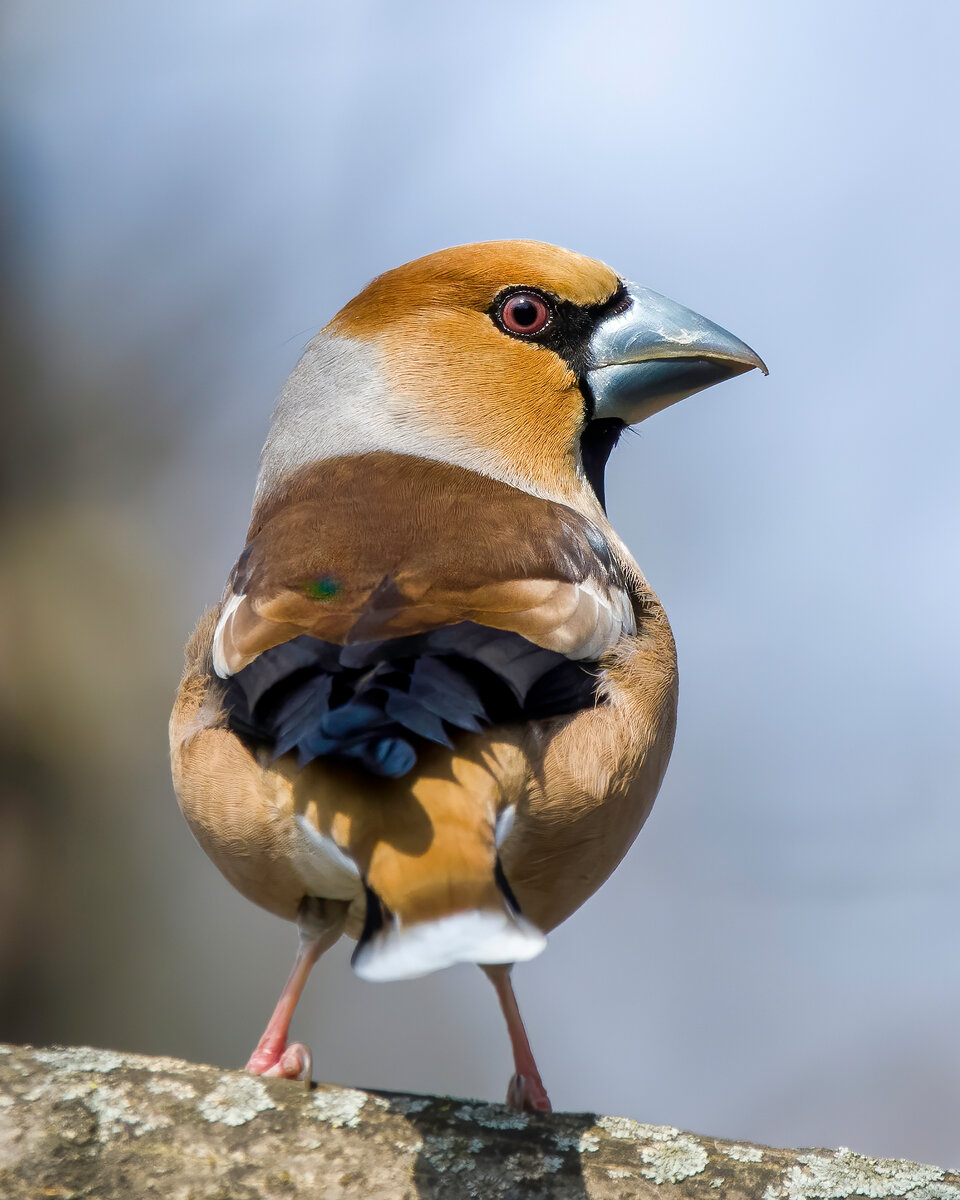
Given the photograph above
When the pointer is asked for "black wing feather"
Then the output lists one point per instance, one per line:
(375, 703)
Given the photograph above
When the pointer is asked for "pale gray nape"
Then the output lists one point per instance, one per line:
(337, 401)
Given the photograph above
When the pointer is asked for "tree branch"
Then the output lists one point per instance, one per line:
(77, 1122)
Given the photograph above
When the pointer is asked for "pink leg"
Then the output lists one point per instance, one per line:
(320, 923)
(526, 1090)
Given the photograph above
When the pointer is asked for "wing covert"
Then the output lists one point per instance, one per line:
(380, 605)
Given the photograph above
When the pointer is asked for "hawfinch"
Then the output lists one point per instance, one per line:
(437, 699)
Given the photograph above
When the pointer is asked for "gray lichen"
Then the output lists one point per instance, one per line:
(583, 1143)
(177, 1088)
(674, 1160)
(843, 1173)
(235, 1100)
(625, 1127)
(493, 1116)
(341, 1106)
(408, 1106)
(746, 1154)
(668, 1155)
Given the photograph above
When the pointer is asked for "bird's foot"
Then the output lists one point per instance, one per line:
(527, 1093)
(285, 1062)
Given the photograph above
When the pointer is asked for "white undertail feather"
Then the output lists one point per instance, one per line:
(399, 952)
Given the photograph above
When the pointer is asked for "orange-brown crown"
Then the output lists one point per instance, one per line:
(470, 277)
(512, 400)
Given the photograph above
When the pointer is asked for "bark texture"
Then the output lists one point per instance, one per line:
(77, 1122)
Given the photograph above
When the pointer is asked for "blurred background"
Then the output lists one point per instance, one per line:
(188, 193)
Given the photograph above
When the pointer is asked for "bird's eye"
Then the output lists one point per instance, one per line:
(524, 313)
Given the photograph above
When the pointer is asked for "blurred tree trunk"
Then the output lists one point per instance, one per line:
(84, 691)
(78, 1121)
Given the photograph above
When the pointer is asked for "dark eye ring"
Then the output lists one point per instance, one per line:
(524, 314)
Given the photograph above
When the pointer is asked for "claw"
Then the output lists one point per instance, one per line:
(528, 1095)
(290, 1062)
(295, 1062)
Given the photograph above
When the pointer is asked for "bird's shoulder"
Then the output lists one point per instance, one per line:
(380, 545)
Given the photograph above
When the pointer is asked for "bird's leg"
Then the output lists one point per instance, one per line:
(320, 923)
(526, 1090)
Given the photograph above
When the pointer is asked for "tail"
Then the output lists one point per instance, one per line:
(475, 921)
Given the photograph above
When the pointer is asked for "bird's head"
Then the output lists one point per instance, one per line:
(518, 359)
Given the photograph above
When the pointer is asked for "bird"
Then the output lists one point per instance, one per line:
(436, 701)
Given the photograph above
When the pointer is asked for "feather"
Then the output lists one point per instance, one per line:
(369, 548)
(375, 703)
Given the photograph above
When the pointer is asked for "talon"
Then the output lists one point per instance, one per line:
(296, 1062)
(528, 1095)
(292, 1062)
(305, 1061)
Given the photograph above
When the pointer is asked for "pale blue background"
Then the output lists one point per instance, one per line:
(192, 190)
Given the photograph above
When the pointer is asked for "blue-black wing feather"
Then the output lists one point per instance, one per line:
(375, 704)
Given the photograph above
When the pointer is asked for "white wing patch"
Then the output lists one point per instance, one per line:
(504, 824)
(599, 621)
(219, 658)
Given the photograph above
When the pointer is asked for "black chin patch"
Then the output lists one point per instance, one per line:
(568, 335)
(596, 445)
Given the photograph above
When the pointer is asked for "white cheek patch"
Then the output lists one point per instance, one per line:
(219, 658)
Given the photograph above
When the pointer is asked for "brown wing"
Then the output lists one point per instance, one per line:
(369, 547)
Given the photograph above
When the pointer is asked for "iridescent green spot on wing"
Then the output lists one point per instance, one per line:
(323, 587)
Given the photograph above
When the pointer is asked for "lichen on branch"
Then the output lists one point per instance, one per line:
(79, 1122)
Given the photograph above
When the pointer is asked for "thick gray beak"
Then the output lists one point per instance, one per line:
(655, 353)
